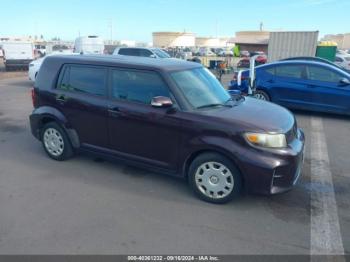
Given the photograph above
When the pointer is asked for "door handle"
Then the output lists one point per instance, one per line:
(311, 86)
(271, 81)
(115, 112)
(61, 99)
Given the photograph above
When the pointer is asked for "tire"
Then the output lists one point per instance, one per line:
(261, 95)
(56, 142)
(208, 182)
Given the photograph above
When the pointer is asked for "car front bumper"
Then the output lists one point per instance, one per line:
(275, 171)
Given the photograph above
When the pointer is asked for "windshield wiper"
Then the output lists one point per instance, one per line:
(213, 105)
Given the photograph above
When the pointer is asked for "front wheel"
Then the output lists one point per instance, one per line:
(214, 178)
(261, 95)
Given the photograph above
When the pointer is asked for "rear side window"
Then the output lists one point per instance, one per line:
(84, 79)
(129, 51)
(293, 71)
(322, 74)
(137, 86)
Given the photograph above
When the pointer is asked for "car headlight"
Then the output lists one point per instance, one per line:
(267, 140)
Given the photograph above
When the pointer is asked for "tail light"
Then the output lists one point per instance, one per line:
(33, 97)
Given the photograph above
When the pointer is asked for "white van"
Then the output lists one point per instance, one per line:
(89, 45)
(17, 54)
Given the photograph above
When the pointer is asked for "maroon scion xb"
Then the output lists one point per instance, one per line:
(169, 116)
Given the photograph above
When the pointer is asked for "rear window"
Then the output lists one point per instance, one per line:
(292, 71)
(84, 79)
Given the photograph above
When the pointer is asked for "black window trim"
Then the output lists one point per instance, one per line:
(303, 71)
(317, 66)
(114, 99)
(66, 67)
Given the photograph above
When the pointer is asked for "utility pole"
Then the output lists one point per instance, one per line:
(110, 25)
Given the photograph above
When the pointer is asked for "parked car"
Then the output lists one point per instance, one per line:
(343, 61)
(306, 85)
(34, 68)
(259, 53)
(41, 50)
(244, 53)
(342, 52)
(261, 59)
(226, 52)
(170, 116)
(52, 48)
(245, 62)
(141, 51)
(205, 51)
(17, 54)
(35, 65)
(89, 45)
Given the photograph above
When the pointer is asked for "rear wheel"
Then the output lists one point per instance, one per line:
(261, 95)
(214, 178)
(55, 142)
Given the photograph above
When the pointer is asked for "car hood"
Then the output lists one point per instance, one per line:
(254, 115)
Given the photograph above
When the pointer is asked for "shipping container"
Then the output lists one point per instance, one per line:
(292, 44)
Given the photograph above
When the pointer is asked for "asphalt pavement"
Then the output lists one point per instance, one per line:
(92, 206)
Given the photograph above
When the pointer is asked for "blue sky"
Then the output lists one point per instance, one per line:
(137, 19)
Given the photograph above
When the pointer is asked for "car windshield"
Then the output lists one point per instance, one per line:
(160, 53)
(201, 88)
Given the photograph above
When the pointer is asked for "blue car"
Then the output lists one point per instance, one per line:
(306, 85)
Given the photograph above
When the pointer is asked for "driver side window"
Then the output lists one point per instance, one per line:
(316, 73)
(137, 86)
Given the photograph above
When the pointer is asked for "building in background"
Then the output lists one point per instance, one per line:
(252, 40)
(173, 39)
(207, 42)
(342, 40)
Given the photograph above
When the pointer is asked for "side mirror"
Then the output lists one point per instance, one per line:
(153, 56)
(344, 82)
(161, 102)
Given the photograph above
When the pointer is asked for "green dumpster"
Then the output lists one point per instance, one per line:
(327, 50)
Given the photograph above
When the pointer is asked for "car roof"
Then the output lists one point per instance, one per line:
(302, 62)
(166, 64)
